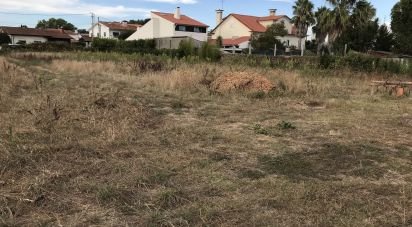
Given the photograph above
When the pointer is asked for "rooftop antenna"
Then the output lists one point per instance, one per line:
(222, 4)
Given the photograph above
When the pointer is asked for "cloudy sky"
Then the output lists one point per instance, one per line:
(116, 10)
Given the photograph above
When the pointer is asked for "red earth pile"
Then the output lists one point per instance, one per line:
(242, 81)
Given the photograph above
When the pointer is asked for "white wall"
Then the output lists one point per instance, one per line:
(293, 41)
(103, 29)
(231, 28)
(195, 35)
(29, 39)
(157, 27)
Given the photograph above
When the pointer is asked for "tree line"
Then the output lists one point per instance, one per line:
(354, 23)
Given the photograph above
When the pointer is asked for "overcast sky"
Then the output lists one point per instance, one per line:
(116, 10)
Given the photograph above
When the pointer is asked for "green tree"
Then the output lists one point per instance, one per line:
(56, 23)
(4, 39)
(322, 27)
(339, 18)
(139, 21)
(402, 26)
(384, 39)
(267, 40)
(360, 33)
(124, 35)
(303, 18)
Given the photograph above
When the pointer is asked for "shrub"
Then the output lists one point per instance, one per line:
(186, 48)
(104, 44)
(209, 52)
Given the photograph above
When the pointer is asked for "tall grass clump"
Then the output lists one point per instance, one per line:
(209, 52)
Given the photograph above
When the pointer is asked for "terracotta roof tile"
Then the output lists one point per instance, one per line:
(121, 26)
(253, 23)
(49, 33)
(236, 41)
(184, 20)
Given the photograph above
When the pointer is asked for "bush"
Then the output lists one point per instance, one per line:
(104, 44)
(186, 49)
(209, 52)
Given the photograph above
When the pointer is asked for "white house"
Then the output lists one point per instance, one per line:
(169, 25)
(24, 35)
(111, 30)
(236, 30)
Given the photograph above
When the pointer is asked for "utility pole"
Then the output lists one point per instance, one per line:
(93, 16)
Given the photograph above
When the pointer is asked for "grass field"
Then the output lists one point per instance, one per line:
(98, 143)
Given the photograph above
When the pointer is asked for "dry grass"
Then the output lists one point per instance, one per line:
(95, 143)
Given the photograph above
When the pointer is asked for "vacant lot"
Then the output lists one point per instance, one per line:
(155, 143)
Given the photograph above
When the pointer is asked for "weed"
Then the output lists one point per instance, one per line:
(259, 129)
(257, 95)
(285, 125)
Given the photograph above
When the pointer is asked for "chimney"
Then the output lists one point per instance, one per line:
(177, 13)
(219, 16)
(124, 23)
(272, 12)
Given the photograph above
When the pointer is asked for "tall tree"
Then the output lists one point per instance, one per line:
(303, 18)
(4, 39)
(384, 39)
(56, 23)
(402, 26)
(268, 40)
(322, 27)
(339, 18)
(360, 33)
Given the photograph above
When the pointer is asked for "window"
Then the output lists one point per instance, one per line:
(37, 42)
(288, 42)
(104, 34)
(21, 42)
(181, 28)
(116, 34)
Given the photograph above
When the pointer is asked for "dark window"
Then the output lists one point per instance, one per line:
(183, 28)
(116, 34)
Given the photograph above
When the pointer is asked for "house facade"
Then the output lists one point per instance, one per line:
(111, 30)
(169, 25)
(23, 35)
(236, 30)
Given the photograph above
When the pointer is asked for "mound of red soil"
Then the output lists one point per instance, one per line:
(242, 81)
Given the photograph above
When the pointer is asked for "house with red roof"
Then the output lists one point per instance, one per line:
(24, 35)
(111, 30)
(236, 30)
(171, 25)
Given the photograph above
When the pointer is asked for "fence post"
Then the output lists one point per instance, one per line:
(274, 51)
(301, 48)
(346, 49)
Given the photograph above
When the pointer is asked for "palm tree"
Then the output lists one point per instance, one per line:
(303, 18)
(363, 13)
(339, 17)
(322, 27)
